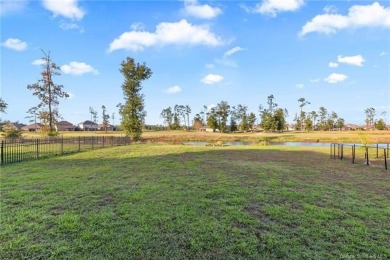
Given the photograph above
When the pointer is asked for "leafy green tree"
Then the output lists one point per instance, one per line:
(106, 118)
(212, 121)
(308, 124)
(233, 124)
(370, 117)
(313, 117)
(340, 123)
(222, 112)
(332, 118)
(240, 113)
(198, 121)
(273, 118)
(303, 102)
(323, 114)
(280, 119)
(251, 120)
(380, 124)
(132, 111)
(187, 112)
(94, 114)
(167, 115)
(48, 92)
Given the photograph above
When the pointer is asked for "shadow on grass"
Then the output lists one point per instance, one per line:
(150, 201)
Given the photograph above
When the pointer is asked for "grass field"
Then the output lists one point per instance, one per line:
(176, 137)
(171, 201)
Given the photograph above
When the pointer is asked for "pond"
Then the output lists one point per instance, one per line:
(196, 143)
(313, 144)
(236, 143)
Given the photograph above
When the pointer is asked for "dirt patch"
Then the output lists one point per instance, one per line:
(255, 211)
(107, 199)
(56, 210)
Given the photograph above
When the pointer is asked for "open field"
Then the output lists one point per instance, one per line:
(172, 201)
(175, 137)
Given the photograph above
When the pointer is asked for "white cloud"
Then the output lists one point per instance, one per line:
(316, 80)
(299, 85)
(78, 68)
(66, 8)
(232, 51)
(273, 7)
(173, 90)
(194, 9)
(383, 53)
(15, 44)
(356, 60)
(335, 78)
(12, 6)
(71, 26)
(210, 66)
(373, 15)
(333, 64)
(38, 62)
(181, 32)
(212, 79)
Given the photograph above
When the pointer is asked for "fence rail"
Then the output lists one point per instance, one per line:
(374, 155)
(29, 149)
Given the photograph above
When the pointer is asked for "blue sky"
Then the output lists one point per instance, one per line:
(334, 54)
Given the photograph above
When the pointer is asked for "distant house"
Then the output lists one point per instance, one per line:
(13, 126)
(102, 127)
(88, 126)
(65, 126)
(207, 129)
(350, 127)
(33, 127)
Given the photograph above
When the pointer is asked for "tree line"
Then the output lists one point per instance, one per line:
(226, 118)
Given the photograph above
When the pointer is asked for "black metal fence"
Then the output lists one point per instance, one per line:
(374, 155)
(28, 149)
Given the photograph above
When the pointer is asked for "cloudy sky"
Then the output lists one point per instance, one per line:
(334, 54)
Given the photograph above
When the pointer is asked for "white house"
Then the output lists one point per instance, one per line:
(88, 126)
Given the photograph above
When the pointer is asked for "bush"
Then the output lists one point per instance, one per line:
(10, 132)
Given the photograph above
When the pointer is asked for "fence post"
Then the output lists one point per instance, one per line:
(384, 153)
(79, 143)
(334, 151)
(342, 152)
(2, 152)
(37, 145)
(103, 140)
(331, 150)
(377, 151)
(366, 155)
(353, 153)
(338, 151)
(62, 145)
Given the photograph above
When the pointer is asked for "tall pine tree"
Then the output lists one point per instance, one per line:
(132, 111)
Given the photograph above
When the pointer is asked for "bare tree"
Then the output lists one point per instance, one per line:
(48, 92)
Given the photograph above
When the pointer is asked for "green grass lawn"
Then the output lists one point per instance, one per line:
(175, 202)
